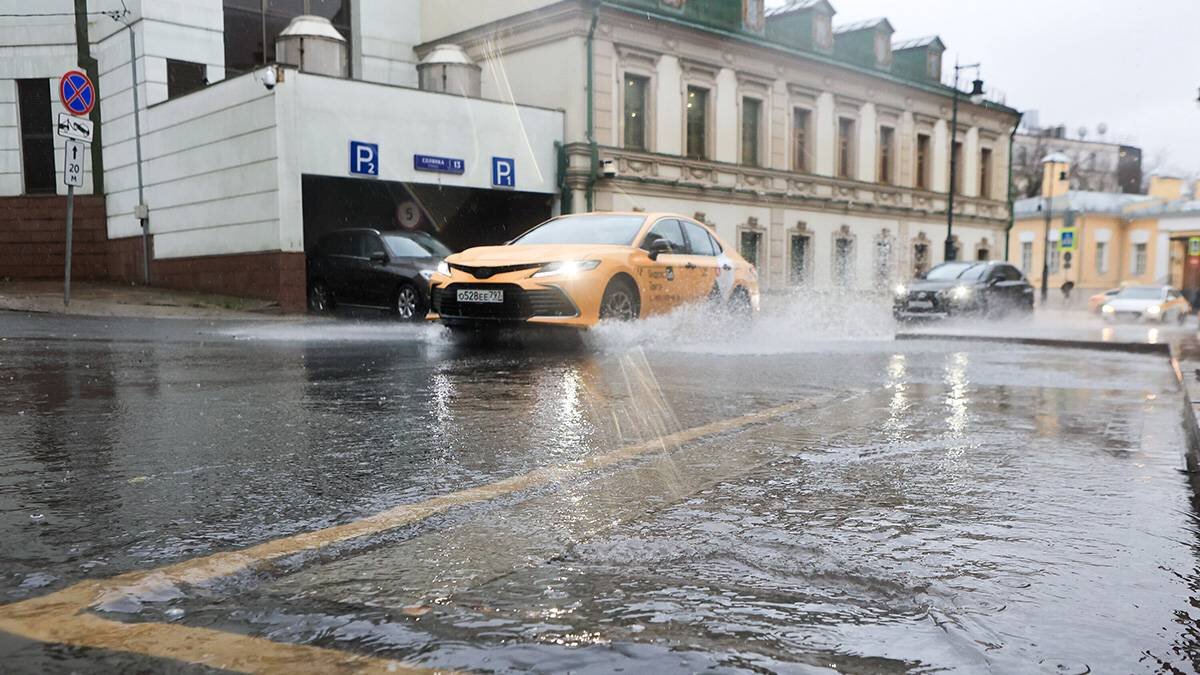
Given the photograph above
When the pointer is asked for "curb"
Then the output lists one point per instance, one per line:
(1191, 427)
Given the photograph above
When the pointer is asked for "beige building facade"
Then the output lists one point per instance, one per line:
(821, 151)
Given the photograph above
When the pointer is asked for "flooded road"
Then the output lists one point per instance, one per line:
(662, 497)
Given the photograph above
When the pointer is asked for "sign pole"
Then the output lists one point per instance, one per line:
(70, 238)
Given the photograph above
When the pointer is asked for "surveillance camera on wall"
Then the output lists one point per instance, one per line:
(608, 168)
(268, 78)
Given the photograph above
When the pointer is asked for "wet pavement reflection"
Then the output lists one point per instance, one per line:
(926, 505)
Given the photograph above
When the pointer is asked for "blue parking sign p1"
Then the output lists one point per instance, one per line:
(504, 172)
(364, 158)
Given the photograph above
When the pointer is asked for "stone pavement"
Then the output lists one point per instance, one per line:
(120, 300)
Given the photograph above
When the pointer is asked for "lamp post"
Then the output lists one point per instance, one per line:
(976, 97)
(1049, 172)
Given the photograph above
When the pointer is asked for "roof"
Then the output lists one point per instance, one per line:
(914, 43)
(863, 25)
(1084, 201)
(796, 6)
(1056, 158)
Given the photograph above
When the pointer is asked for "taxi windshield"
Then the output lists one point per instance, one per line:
(1140, 293)
(585, 229)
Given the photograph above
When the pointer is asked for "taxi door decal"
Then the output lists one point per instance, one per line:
(725, 274)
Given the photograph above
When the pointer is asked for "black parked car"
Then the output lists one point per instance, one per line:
(369, 268)
(957, 288)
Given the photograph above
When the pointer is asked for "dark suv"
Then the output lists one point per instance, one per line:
(955, 288)
(370, 268)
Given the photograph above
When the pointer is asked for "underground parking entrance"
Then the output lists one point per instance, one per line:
(459, 217)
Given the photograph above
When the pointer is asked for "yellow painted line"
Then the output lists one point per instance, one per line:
(63, 617)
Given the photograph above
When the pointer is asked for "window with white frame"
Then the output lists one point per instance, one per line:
(1139, 260)
(751, 125)
(1054, 256)
(635, 106)
(1101, 257)
(1027, 257)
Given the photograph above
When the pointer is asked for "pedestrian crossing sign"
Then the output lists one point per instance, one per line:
(1193, 245)
(1067, 239)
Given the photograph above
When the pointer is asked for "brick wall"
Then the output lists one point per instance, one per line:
(33, 238)
(32, 247)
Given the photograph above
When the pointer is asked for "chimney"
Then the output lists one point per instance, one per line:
(1166, 188)
(1056, 175)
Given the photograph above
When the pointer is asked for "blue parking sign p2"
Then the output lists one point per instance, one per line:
(364, 158)
(504, 172)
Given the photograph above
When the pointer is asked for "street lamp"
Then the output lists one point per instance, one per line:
(977, 97)
(1050, 162)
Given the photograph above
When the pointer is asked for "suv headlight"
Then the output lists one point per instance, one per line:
(567, 268)
(443, 268)
(961, 293)
(900, 290)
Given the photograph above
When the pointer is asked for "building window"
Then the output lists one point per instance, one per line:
(749, 245)
(697, 122)
(1139, 259)
(983, 254)
(887, 153)
(843, 261)
(958, 168)
(923, 161)
(184, 77)
(985, 173)
(37, 136)
(883, 259)
(251, 27)
(635, 111)
(800, 143)
(845, 166)
(1054, 257)
(1101, 257)
(798, 262)
(1027, 257)
(751, 113)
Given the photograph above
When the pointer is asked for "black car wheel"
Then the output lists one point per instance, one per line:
(739, 303)
(620, 301)
(320, 301)
(408, 305)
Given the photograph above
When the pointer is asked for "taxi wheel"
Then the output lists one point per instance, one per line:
(620, 301)
(1181, 317)
(739, 302)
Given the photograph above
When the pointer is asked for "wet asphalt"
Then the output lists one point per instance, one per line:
(928, 506)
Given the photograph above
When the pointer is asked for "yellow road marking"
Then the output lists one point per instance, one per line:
(63, 617)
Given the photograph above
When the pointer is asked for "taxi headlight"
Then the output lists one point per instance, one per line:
(1153, 309)
(566, 268)
(443, 268)
(1108, 309)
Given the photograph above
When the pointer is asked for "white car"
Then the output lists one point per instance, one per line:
(1149, 303)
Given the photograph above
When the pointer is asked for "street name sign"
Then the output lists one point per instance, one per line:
(76, 93)
(73, 163)
(78, 128)
(439, 164)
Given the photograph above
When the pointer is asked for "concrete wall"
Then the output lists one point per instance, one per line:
(385, 32)
(438, 19)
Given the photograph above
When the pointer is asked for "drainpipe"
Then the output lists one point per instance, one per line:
(1011, 217)
(593, 149)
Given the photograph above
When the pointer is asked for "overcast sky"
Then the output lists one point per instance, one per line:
(1134, 66)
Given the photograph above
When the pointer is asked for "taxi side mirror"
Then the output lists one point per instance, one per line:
(657, 248)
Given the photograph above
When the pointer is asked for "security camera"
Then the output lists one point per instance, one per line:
(268, 78)
(608, 168)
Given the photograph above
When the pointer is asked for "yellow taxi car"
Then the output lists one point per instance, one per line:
(576, 270)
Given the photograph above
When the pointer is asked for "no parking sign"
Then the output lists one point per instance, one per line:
(76, 92)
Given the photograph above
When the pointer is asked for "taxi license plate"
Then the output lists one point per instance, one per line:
(920, 304)
(469, 295)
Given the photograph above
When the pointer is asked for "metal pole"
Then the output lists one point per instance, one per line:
(949, 251)
(70, 237)
(137, 136)
(1046, 243)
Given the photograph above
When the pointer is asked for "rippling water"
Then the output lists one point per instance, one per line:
(937, 506)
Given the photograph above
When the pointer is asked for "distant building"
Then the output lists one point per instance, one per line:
(1121, 238)
(1097, 166)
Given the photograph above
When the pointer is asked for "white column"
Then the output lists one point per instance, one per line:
(725, 125)
(941, 157)
(906, 148)
(826, 132)
(668, 107)
(970, 164)
(868, 140)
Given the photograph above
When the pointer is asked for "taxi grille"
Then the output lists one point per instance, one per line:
(519, 304)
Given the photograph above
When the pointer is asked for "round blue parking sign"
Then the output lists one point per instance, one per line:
(76, 92)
